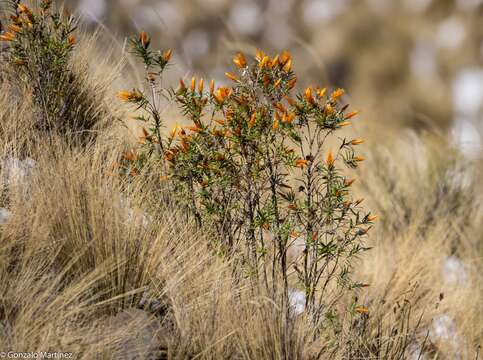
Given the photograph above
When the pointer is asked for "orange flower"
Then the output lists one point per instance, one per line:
(231, 76)
(182, 85)
(167, 55)
(201, 86)
(252, 121)
(8, 36)
(276, 122)
(14, 28)
(362, 310)
(275, 60)
(193, 84)
(328, 109)
(288, 117)
(291, 83)
(129, 96)
(220, 121)
(265, 60)
(194, 128)
(222, 93)
(351, 115)
(288, 66)
(321, 92)
(357, 142)
(371, 217)
(260, 55)
(301, 163)
(344, 123)
(277, 83)
(292, 207)
(359, 158)
(71, 40)
(349, 182)
(144, 39)
(130, 156)
(337, 94)
(308, 95)
(330, 159)
(212, 87)
(285, 57)
(240, 61)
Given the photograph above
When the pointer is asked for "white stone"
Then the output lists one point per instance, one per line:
(92, 10)
(140, 334)
(4, 215)
(317, 11)
(245, 17)
(297, 301)
(454, 271)
(423, 60)
(451, 33)
(468, 91)
(14, 171)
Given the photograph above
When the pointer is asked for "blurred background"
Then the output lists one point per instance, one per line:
(410, 63)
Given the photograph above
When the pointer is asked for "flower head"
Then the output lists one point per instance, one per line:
(144, 39)
(321, 92)
(8, 36)
(231, 76)
(212, 87)
(129, 96)
(221, 94)
(301, 163)
(337, 94)
(240, 61)
(308, 95)
(285, 57)
(362, 310)
(14, 28)
(71, 40)
(357, 141)
(167, 55)
(288, 66)
(351, 115)
(253, 119)
(330, 159)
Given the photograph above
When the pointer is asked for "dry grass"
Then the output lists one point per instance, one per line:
(82, 246)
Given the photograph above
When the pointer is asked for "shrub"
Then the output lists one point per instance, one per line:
(40, 45)
(255, 166)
